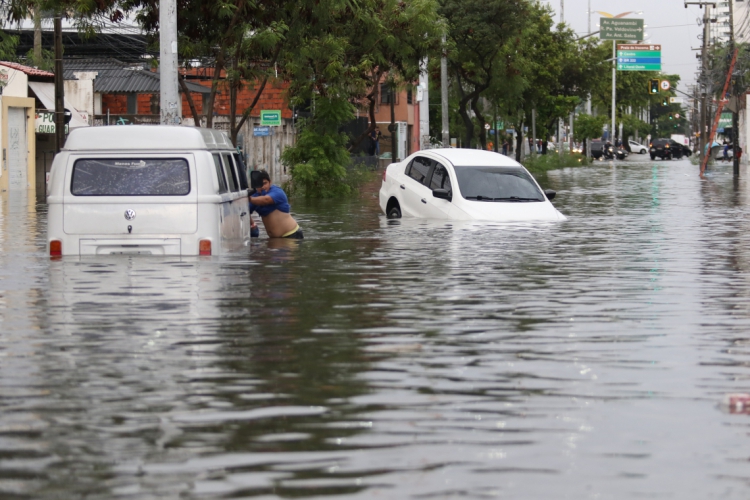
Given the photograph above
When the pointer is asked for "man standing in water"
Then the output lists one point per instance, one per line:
(272, 205)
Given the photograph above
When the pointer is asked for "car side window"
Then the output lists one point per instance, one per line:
(241, 170)
(420, 169)
(440, 178)
(231, 174)
(220, 174)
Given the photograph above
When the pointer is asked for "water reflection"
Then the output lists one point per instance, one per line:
(392, 359)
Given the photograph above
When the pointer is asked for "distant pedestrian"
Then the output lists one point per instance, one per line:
(375, 141)
(505, 147)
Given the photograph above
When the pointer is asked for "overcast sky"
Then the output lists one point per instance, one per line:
(668, 23)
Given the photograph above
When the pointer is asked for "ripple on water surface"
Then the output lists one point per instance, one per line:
(398, 359)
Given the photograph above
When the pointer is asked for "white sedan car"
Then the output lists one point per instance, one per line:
(464, 184)
(637, 148)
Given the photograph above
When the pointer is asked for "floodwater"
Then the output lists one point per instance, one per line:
(400, 360)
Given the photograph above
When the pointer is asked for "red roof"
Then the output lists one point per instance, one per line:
(26, 69)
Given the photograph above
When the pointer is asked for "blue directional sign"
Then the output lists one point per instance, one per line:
(262, 131)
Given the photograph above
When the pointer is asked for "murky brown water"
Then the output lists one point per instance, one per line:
(394, 360)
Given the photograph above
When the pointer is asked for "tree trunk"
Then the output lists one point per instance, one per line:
(481, 120)
(372, 97)
(219, 65)
(189, 97)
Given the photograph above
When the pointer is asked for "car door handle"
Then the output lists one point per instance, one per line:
(402, 186)
(424, 201)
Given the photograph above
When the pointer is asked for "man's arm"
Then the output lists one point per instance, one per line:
(261, 200)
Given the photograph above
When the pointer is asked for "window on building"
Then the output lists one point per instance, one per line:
(385, 93)
(409, 97)
(132, 104)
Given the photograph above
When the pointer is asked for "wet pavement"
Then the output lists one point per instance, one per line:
(394, 359)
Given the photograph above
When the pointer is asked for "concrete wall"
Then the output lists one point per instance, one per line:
(80, 93)
(28, 104)
(16, 82)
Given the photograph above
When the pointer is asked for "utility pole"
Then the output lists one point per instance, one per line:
(704, 86)
(703, 79)
(735, 121)
(614, 90)
(562, 12)
(169, 96)
(444, 97)
(59, 89)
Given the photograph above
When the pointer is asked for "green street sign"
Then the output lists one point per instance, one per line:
(270, 118)
(639, 67)
(500, 125)
(620, 29)
(637, 54)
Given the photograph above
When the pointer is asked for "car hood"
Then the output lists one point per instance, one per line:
(509, 211)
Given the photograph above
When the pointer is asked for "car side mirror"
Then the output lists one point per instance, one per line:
(443, 194)
(550, 194)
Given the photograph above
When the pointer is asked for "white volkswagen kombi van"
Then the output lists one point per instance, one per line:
(147, 189)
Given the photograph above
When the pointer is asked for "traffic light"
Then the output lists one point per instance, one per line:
(653, 86)
(665, 102)
(671, 117)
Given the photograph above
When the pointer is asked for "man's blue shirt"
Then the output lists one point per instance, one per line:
(280, 201)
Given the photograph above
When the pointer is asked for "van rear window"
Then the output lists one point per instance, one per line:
(131, 177)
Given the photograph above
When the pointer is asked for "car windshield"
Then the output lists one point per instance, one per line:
(507, 184)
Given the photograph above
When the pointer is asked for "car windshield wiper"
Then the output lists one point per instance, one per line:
(479, 197)
(516, 198)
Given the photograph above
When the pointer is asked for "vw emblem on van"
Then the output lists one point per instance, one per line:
(130, 214)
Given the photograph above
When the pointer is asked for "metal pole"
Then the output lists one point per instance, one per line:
(59, 90)
(169, 96)
(614, 90)
(570, 136)
(444, 97)
(424, 107)
(589, 31)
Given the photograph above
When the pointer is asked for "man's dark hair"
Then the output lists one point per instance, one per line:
(257, 177)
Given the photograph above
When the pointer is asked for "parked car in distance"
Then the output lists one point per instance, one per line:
(464, 184)
(150, 190)
(637, 148)
(666, 149)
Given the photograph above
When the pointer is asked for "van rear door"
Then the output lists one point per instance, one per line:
(147, 194)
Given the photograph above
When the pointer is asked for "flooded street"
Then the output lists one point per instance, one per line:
(394, 359)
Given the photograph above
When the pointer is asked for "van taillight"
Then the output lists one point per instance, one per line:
(55, 247)
(383, 175)
(204, 247)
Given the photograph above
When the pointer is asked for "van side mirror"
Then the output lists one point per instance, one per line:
(550, 194)
(443, 194)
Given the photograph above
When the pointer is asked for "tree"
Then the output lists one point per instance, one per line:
(589, 126)
(477, 33)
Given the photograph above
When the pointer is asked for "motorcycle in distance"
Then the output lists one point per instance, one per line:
(608, 151)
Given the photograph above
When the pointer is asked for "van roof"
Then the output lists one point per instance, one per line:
(145, 137)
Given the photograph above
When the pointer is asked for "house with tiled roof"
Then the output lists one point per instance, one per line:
(18, 172)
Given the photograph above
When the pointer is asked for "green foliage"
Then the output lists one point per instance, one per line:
(540, 164)
(319, 158)
(588, 126)
(317, 164)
